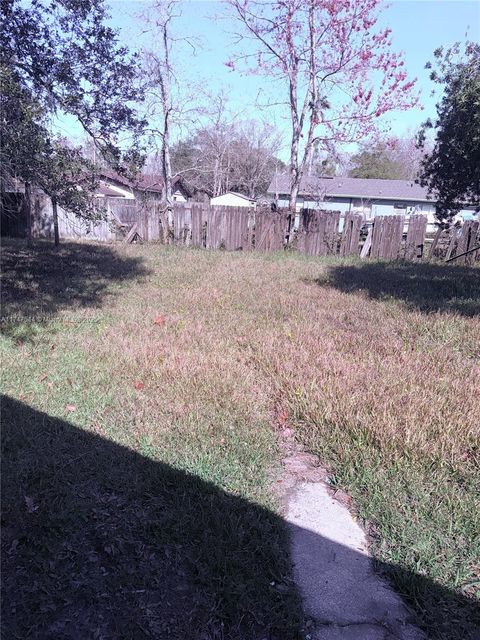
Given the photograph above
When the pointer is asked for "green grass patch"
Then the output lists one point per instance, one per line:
(142, 386)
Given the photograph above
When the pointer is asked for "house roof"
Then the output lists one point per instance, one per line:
(149, 182)
(104, 190)
(339, 186)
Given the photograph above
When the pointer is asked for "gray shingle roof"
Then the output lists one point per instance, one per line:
(323, 187)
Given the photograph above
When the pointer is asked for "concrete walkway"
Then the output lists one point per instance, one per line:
(344, 598)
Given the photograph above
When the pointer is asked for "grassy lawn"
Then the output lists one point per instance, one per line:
(144, 385)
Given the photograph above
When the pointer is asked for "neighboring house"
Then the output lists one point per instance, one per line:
(113, 185)
(370, 197)
(232, 199)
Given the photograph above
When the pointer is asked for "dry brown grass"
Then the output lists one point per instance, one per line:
(382, 383)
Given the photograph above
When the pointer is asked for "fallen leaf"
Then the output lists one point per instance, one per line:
(70, 407)
(282, 417)
(138, 385)
(43, 377)
(69, 381)
(160, 320)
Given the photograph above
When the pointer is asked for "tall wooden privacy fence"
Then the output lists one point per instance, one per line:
(313, 232)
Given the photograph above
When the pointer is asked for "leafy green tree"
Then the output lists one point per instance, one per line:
(452, 170)
(28, 153)
(59, 57)
(21, 127)
(23, 136)
(70, 61)
(376, 162)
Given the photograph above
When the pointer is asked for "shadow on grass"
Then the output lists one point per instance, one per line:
(101, 542)
(422, 286)
(40, 281)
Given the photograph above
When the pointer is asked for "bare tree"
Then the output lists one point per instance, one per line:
(169, 107)
(408, 155)
(255, 147)
(159, 80)
(226, 153)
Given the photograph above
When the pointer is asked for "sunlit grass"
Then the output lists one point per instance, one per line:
(382, 385)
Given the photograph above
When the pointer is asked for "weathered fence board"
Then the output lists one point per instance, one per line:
(214, 228)
(236, 228)
(125, 211)
(350, 240)
(467, 239)
(181, 225)
(69, 226)
(198, 220)
(474, 242)
(387, 237)
(417, 226)
(318, 232)
(435, 242)
(454, 235)
(270, 230)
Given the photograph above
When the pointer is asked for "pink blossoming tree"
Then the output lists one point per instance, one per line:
(337, 65)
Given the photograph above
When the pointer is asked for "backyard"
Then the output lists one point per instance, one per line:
(145, 387)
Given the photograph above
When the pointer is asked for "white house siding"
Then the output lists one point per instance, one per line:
(178, 196)
(232, 200)
(344, 205)
(368, 208)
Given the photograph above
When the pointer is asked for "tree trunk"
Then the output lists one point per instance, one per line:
(167, 166)
(295, 169)
(164, 80)
(216, 178)
(55, 222)
(292, 206)
(28, 211)
(292, 203)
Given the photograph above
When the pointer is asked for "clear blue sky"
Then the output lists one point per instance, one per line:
(418, 28)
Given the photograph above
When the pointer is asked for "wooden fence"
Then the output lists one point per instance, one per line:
(314, 232)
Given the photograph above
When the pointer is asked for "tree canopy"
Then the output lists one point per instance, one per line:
(334, 63)
(60, 57)
(387, 159)
(375, 163)
(66, 57)
(229, 156)
(452, 170)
